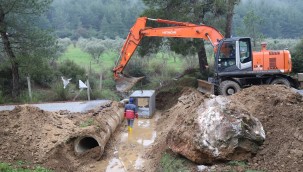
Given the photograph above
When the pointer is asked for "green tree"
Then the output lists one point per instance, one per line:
(16, 19)
(211, 12)
(252, 23)
(297, 58)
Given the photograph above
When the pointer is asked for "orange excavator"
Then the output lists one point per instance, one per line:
(236, 65)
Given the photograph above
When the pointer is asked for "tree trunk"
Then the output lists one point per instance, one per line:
(9, 52)
(229, 18)
(202, 58)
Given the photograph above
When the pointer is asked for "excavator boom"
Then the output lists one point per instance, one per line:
(139, 30)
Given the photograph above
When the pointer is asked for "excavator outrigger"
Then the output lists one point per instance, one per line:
(236, 66)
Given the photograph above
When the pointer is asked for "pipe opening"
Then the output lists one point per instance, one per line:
(85, 143)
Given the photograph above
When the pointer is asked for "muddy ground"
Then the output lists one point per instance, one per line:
(32, 135)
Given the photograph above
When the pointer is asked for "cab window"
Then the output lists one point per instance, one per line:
(227, 55)
(244, 51)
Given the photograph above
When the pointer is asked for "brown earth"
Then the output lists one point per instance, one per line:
(37, 137)
(280, 111)
(46, 138)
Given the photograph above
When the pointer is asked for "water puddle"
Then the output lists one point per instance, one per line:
(127, 156)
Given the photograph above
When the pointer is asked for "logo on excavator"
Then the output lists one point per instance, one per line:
(169, 32)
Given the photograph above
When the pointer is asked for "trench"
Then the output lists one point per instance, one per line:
(127, 154)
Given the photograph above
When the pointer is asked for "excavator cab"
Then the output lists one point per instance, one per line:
(234, 55)
(232, 58)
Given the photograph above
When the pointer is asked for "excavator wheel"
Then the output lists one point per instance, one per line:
(228, 87)
(280, 81)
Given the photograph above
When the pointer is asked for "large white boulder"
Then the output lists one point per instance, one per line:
(216, 130)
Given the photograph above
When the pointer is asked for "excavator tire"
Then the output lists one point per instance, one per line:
(280, 81)
(229, 87)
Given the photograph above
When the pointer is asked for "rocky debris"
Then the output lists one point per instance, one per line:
(215, 131)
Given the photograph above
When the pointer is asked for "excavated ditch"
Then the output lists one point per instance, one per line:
(66, 141)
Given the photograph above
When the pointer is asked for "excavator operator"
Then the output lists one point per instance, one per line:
(232, 52)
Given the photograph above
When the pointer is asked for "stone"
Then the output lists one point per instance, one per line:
(221, 132)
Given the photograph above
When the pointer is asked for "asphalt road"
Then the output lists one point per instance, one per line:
(82, 106)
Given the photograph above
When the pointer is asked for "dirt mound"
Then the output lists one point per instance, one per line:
(167, 99)
(30, 134)
(169, 118)
(280, 111)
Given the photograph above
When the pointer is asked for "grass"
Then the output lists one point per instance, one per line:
(84, 59)
(5, 167)
(170, 163)
(237, 163)
(87, 123)
(108, 59)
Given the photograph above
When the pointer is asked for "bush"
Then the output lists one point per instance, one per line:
(70, 69)
(297, 58)
(60, 93)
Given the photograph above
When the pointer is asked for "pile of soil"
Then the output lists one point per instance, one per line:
(169, 118)
(39, 137)
(280, 110)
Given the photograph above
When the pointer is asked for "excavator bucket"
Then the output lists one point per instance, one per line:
(125, 83)
(205, 87)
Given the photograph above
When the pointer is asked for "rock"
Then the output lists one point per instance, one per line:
(296, 152)
(221, 131)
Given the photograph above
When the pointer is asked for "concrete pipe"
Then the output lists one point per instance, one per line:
(98, 136)
(85, 143)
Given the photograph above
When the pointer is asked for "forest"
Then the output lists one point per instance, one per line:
(108, 19)
(46, 39)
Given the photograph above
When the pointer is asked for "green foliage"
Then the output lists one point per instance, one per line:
(96, 47)
(87, 122)
(105, 93)
(281, 44)
(297, 58)
(252, 23)
(170, 163)
(237, 163)
(280, 18)
(98, 18)
(60, 94)
(2, 100)
(70, 69)
(5, 167)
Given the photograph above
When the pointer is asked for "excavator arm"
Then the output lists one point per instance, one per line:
(179, 30)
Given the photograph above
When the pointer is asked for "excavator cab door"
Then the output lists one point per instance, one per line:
(234, 54)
